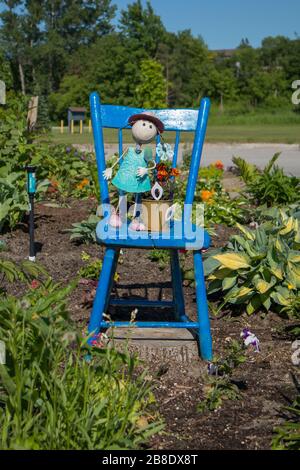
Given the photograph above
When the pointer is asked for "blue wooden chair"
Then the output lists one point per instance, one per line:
(177, 120)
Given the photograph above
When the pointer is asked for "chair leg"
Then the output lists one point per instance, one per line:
(178, 296)
(103, 291)
(204, 335)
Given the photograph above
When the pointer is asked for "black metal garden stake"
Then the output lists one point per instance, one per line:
(31, 189)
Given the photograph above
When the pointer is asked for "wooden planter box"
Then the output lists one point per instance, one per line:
(153, 215)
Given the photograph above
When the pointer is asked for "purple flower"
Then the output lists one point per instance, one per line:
(250, 339)
(68, 149)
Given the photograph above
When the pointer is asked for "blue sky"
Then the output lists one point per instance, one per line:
(223, 23)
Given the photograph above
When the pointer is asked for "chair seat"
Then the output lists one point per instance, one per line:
(179, 236)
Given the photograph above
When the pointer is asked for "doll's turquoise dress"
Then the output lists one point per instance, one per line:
(127, 179)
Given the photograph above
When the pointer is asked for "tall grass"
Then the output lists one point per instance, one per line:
(51, 397)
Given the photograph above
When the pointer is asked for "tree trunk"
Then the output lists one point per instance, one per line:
(22, 78)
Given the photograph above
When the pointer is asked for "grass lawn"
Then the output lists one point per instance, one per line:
(269, 133)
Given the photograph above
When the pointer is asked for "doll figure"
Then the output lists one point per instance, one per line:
(133, 174)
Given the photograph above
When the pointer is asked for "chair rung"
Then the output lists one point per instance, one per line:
(144, 324)
(141, 303)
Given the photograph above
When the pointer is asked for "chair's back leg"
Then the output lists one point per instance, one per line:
(104, 287)
(204, 334)
(178, 297)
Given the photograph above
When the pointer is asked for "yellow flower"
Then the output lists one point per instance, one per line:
(290, 286)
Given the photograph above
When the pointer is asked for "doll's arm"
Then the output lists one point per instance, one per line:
(107, 174)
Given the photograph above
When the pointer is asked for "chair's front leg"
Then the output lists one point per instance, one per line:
(178, 297)
(103, 291)
(204, 335)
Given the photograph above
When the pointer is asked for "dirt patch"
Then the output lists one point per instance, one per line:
(243, 424)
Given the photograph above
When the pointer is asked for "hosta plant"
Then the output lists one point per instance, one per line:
(259, 269)
(85, 231)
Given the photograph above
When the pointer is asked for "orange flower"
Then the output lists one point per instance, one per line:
(161, 167)
(175, 172)
(162, 174)
(219, 165)
(82, 184)
(53, 186)
(206, 195)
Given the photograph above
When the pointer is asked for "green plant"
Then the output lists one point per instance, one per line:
(247, 171)
(51, 397)
(85, 231)
(160, 256)
(287, 436)
(13, 196)
(258, 268)
(24, 271)
(220, 386)
(219, 208)
(270, 186)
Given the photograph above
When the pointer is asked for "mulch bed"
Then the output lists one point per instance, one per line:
(266, 376)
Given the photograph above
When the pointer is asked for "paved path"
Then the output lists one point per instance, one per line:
(259, 154)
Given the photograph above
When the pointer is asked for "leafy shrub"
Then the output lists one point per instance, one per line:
(13, 196)
(219, 208)
(85, 231)
(259, 268)
(271, 186)
(53, 398)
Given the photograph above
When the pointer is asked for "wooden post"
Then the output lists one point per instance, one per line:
(80, 126)
(90, 126)
(72, 126)
(61, 126)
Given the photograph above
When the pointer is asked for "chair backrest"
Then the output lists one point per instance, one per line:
(177, 120)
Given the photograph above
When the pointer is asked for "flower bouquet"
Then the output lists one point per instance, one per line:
(157, 211)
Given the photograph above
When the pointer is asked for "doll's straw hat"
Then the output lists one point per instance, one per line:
(147, 116)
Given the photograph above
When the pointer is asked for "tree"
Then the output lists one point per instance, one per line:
(189, 72)
(152, 89)
(43, 119)
(142, 27)
(12, 38)
(5, 71)
(40, 36)
(224, 85)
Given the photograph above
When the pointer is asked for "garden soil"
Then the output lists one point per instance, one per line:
(265, 379)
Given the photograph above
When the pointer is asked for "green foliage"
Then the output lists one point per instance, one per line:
(5, 71)
(221, 387)
(258, 268)
(85, 231)
(24, 271)
(51, 396)
(226, 211)
(219, 208)
(13, 200)
(247, 171)
(91, 270)
(162, 257)
(152, 89)
(271, 186)
(140, 25)
(287, 436)
(70, 48)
